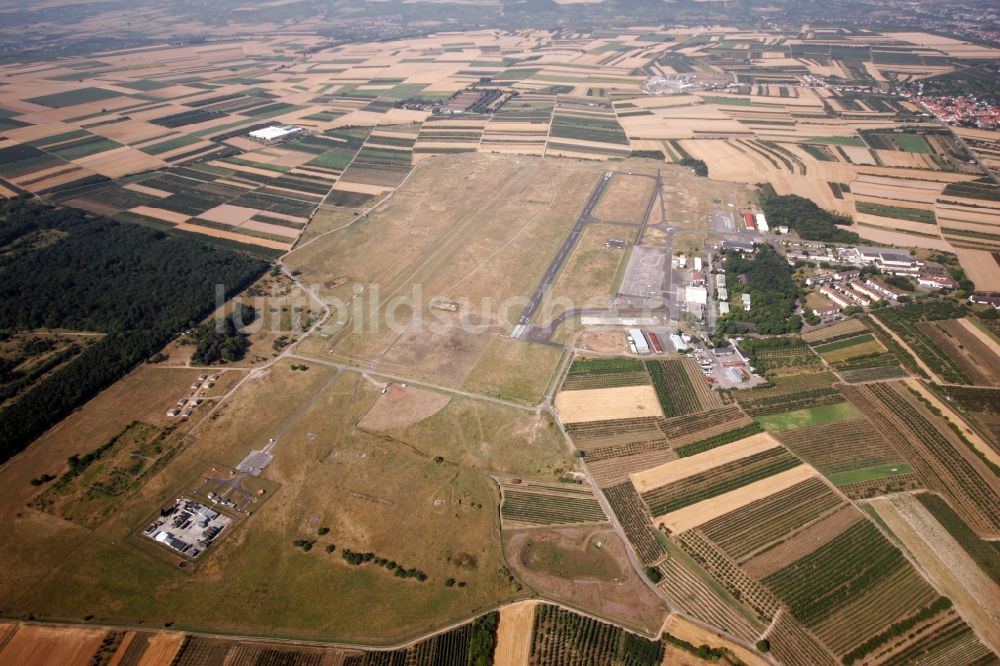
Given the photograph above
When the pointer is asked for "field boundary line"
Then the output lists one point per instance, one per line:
(356, 219)
(416, 382)
(902, 343)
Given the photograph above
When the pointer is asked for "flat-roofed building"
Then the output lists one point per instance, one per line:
(275, 133)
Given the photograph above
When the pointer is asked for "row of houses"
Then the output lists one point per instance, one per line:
(829, 277)
(845, 297)
(992, 300)
(860, 293)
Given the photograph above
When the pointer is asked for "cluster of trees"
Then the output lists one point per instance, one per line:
(807, 219)
(357, 559)
(651, 154)
(305, 544)
(773, 293)
(223, 339)
(13, 381)
(699, 166)
(702, 651)
(899, 282)
(483, 639)
(138, 285)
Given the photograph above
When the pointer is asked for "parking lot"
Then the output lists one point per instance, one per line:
(721, 221)
(644, 276)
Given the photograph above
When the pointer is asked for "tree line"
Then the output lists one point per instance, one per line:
(807, 219)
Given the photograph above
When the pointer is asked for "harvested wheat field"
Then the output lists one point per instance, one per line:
(696, 634)
(514, 634)
(610, 403)
(701, 512)
(981, 267)
(399, 407)
(161, 649)
(34, 645)
(685, 467)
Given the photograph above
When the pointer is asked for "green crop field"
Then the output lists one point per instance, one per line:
(73, 97)
(844, 343)
(869, 474)
(802, 418)
(912, 143)
(837, 141)
(897, 212)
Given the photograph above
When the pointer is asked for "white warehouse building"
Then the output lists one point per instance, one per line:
(275, 133)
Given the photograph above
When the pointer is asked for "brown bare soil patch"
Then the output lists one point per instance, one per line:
(604, 341)
(399, 407)
(151, 191)
(161, 214)
(273, 229)
(239, 238)
(229, 214)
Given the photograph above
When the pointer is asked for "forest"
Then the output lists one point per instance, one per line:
(806, 218)
(63, 268)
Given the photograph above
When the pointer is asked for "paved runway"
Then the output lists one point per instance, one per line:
(524, 323)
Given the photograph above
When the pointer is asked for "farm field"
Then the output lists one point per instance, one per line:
(730, 514)
(850, 453)
(980, 405)
(37, 645)
(812, 416)
(940, 458)
(531, 503)
(856, 353)
(514, 634)
(609, 403)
